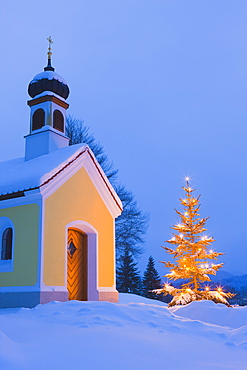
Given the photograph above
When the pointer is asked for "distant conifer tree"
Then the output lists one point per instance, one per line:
(151, 280)
(128, 276)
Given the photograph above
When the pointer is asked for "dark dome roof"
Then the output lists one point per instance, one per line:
(48, 81)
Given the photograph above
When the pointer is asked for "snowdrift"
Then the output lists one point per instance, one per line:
(137, 333)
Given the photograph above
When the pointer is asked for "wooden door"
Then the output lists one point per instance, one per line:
(77, 265)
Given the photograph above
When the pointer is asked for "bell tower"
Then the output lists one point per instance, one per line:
(49, 92)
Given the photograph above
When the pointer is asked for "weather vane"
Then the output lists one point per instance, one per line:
(49, 39)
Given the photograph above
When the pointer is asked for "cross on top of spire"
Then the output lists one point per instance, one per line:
(49, 53)
(49, 39)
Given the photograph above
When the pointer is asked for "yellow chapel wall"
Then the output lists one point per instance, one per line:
(25, 219)
(77, 199)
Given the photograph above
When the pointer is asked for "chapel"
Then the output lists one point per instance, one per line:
(57, 210)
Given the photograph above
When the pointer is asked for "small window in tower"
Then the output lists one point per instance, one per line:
(6, 252)
(38, 119)
(58, 120)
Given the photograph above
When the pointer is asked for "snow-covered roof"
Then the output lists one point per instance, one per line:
(49, 75)
(20, 175)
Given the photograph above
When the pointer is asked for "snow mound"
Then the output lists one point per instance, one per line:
(137, 333)
(209, 312)
(130, 298)
(10, 353)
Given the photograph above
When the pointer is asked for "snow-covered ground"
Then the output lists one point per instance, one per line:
(137, 333)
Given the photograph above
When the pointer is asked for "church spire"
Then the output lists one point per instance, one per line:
(48, 91)
(49, 53)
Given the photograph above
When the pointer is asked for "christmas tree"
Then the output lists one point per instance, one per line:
(128, 277)
(151, 280)
(193, 254)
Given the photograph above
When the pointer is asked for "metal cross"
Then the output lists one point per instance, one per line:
(50, 42)
(49, 48)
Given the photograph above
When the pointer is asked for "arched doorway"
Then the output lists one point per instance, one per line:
(77, 265)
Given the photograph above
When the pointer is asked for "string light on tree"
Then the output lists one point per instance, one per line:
(191, 255)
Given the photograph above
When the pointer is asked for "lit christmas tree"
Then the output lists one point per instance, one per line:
(193, 255)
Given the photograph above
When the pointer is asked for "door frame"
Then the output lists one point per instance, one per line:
(92, 256)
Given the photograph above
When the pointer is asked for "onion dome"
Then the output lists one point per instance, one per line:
(48, 81)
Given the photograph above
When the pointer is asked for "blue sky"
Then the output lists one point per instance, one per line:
(161, 84)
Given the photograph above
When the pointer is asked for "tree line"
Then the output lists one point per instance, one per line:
(129, 279)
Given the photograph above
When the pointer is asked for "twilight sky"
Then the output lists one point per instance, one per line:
(161, 84)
